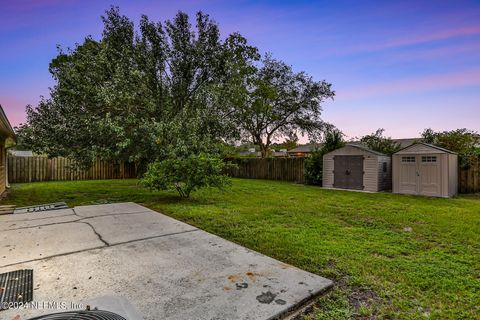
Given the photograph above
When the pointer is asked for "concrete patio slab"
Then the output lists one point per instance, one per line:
(124, 227)
(19, 224)
(36, 215)
(45, 241)
(164, 268)
(109, 209)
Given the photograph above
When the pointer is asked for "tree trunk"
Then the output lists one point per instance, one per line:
(263, 150)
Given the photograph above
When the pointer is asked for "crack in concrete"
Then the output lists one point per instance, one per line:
(95, 231)
(62, 215)
(42, 225)
(111, 214)
(81, 218)
(98, 248)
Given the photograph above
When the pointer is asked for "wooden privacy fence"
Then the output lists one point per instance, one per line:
(286, 169)
(31, 169)
(469, 178)
(37, 168)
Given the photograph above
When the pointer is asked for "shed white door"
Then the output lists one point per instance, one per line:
(430, 175)
(408, 175)
(420, 174)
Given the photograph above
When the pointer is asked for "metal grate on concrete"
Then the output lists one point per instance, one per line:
(16, 287)
(81, 315)
(42, 207)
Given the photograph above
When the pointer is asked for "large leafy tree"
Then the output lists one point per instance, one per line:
(142, 95)
(274, 101)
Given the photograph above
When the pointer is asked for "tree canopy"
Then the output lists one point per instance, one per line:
(274, 101)
(125, 95)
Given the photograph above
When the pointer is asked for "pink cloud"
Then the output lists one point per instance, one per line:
(434, 36)
(418, 84)
(413, 38)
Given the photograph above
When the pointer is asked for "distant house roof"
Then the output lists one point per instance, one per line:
(21, 153)
(279, 154)
(306, 148)
(5, 127)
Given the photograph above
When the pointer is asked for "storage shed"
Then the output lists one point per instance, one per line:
(425, 169)
(358, 168)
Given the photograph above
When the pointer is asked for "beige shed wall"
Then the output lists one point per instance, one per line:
(371, 166)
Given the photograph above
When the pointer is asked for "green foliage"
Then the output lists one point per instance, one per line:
(186, 174)
(118, 97)
(333, 140)
(273, 101)
(378, 142)
(313, 165)
(466, 143)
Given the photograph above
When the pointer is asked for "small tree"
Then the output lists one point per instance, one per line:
(314, 164)
(378, 142)
(187, 174)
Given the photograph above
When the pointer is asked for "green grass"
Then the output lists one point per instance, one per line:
(357, 239)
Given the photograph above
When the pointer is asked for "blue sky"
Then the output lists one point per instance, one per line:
(399, 65)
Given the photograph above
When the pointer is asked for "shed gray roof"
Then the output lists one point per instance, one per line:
(362, 147)
(428, 145)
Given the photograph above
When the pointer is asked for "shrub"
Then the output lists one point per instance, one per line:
(313, 167)
(466, 143)
(186, 174)
(314, 163)
(378, 142)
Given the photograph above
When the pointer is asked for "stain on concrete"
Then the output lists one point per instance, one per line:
(233, 278)
(266, 297)
(241, 286)
(280, 302)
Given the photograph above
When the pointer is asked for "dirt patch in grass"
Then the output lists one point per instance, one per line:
(363, 297)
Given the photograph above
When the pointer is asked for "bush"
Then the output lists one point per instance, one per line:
(313, 168)
(314, 164)
(378, 142)
(186, 174)
(466, 143)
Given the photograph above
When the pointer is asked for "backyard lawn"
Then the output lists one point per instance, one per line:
(390, 256)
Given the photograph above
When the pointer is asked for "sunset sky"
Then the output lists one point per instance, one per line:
(399, 65)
